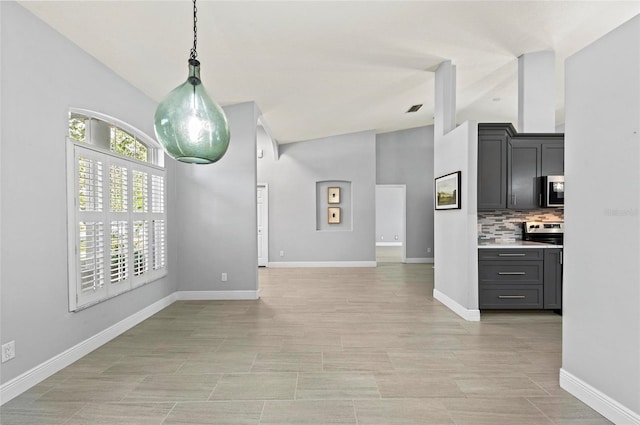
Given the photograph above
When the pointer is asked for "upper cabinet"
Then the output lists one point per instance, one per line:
(510, 166)
(552, 156)
(492, 165)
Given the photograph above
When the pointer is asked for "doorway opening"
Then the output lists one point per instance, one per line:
(391, 218)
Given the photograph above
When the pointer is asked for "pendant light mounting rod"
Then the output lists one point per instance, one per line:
(194, 53)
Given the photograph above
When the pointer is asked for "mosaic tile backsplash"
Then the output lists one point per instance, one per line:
(507, 224)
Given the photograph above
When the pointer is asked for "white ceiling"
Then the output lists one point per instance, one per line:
(323, 68)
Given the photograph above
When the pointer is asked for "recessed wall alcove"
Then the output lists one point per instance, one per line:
(323, 205)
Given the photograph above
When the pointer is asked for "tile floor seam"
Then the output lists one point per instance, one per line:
(264, 405)
(377, 386)
(215, 386)
(355, 412)
(253, 362)
(217, 350)
(538, 385)
(48, 391)
(175, 372)
(169, 413)
(121, 400)
(541, 411)
(75, 413)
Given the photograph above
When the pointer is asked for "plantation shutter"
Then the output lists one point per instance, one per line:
(158, 219)
(90, 240)
(119, 224)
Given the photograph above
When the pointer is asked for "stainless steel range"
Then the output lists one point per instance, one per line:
(551, 232)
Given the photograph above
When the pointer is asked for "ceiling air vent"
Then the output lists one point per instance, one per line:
(415, 108)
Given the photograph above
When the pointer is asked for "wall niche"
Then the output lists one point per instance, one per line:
(333, 206)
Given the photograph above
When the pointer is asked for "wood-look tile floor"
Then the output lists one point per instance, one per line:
(322, 346)
(389, 254)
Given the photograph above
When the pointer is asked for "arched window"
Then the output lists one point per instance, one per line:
(114, 135)
(117, 214)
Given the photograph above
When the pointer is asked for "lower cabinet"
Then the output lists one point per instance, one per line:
(510, 296)
(553, 278)
(520, 278)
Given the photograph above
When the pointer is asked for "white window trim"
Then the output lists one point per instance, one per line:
(158, 157)
(78, 301)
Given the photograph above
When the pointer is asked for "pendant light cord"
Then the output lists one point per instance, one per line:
(194, 53)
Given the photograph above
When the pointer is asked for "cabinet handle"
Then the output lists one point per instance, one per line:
(512, 273)
(510, 297)
(511, 255)
(540, 199)
(561, 257)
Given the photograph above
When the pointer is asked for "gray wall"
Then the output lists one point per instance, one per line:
(456, 271)
(43, 74)
(215, 216)
(406, 157)
(292, 198)
(601, 315)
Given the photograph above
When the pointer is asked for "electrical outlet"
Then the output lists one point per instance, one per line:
(8, 351)
(428, 250)
(282, 253)
(224, 277)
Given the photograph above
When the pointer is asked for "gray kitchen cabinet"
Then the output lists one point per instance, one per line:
(492, 165)
(510, 297)
(528, 278)
(510, 278)
(530, 157)
(523, 170)
(513, 254)
(510, 166)
(553, 279)
(552, 157)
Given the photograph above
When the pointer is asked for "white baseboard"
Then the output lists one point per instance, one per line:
(598, 401)
(388, 243)
(297, 264)
(39, 373)
(427, 260)
(466, 314)
(217, 295)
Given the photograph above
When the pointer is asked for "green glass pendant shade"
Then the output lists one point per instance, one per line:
(189, 124)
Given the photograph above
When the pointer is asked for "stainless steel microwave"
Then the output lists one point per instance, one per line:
(553, 191)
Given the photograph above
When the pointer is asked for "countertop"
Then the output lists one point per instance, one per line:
(510, 243)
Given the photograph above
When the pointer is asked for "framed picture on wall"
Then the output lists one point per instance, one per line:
(333, 195)
(333, 215)
(447, 191)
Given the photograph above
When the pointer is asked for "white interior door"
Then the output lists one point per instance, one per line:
(263, 220)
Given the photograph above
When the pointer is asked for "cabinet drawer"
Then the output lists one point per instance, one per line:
(510, 254)
(516, 272)
(510, 297)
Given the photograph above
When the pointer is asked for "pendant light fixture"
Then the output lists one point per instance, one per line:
(190, 126)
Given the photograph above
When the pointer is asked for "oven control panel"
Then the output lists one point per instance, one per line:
(543, 227)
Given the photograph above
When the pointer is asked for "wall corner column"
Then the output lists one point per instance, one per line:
(445, 99)
(537, 92)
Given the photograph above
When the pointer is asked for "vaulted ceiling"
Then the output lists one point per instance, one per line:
(321, 68)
